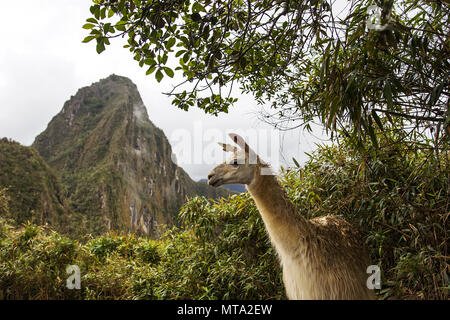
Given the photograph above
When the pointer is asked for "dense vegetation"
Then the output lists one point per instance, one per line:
(34, 191)
(397, 196)
(192, 263)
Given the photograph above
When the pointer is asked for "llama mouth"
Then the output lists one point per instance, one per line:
(215, 182)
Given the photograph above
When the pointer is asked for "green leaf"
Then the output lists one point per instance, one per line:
(150, 61)
(179, 53)
(88, 38)
(197, 7)
(169, 72)
(170, 43)
(151, 70)
(159, 75)
(164, 58)
(372, 135)
(377, 120)
(121, 26)
(88, 26)
(243, 62)
(387, 91)
(106, 27)
(103, 13)
(100, 46)
(186, 57)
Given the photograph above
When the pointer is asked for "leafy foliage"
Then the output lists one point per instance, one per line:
(4, 199)
(184, 264)
(310, 59)
(29, 189)
(223, 254)
(397, 196)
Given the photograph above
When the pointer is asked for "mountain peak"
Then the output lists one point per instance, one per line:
(118, 78)
(116, 165)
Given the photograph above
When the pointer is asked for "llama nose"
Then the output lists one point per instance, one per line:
(209, 176)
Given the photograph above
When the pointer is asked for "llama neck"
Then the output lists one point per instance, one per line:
(286, 227)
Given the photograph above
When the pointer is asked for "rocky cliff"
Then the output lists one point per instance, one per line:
(114, 163)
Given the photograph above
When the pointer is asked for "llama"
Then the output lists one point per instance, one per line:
(321, 258)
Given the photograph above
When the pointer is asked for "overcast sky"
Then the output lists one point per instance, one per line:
(43, 63)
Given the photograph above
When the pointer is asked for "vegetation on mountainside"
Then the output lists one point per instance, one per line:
(33, 191)
(4, 199)
(396, 195)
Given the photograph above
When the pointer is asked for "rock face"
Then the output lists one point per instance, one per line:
(34, 191)
(115, 164)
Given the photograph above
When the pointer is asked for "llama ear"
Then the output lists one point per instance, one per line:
(240, 142)
(253, 158)
(227, 147)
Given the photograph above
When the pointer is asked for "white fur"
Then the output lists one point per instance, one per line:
(322, 258)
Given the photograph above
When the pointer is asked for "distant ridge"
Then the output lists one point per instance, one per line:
(232, 187)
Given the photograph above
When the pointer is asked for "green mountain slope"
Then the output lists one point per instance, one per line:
(34, 192)
(115, 164)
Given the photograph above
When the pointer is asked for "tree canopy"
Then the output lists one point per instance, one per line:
(354, 65)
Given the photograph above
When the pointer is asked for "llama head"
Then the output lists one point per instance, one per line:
(241, 168)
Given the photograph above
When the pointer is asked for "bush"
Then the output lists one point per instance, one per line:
(222, 253)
